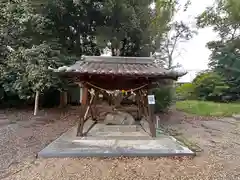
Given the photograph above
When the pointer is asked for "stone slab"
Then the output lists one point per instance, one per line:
(116, 141)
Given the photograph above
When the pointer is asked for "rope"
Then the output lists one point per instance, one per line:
(131, 90)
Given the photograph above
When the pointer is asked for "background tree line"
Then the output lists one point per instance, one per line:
(37, 34)
(221, 82)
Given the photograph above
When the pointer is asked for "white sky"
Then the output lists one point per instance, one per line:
(194, 53)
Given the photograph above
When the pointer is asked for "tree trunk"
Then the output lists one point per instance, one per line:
(36, 103)
(170, 61)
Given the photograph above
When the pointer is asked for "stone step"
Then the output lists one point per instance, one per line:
(120, 137)
(115, 148)
(104, 131)
(115, 134)
(117, 128)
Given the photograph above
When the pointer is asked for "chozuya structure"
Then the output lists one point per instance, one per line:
(111, 76)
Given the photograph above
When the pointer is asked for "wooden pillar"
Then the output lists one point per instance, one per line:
(151, 116)
(139, 109)
(63, 99)
(84, 109)
(84, 95)
(81, 94)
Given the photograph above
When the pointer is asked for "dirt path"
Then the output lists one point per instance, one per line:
(220, 140)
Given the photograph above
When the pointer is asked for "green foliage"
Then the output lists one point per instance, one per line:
(87, 26)
(205, 108)
(224, 17)
(27, 50)
(20, 26)
(127, 27)
(37, 35)
(164, 98)
(73, 24)
(209, 86)
(27, 71)
(185, 91)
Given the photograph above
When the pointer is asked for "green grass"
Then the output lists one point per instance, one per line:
(205, 108)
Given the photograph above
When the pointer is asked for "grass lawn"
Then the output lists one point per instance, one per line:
(205, 108)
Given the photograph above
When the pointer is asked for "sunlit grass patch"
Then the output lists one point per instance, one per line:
(205, 108)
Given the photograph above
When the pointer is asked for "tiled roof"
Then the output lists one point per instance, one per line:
(126, 66)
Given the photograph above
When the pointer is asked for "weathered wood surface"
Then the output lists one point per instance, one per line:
(95, 109)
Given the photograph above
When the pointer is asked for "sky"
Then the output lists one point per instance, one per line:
(194, 53)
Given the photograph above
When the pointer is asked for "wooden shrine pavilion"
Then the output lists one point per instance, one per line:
(114, 77)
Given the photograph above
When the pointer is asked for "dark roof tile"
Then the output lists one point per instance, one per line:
(133, 66)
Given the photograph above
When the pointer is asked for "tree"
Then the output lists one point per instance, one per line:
(27, 71)
(12, 20)
(20, 26)
(210, 86)
(127, 27)
(14, 17)
(74, 25)
(185, 91)
(33, 37)
(84, 27)
(25, 54)
(224, 17)
(173, 33)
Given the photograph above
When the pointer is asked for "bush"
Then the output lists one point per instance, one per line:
(210, 86)
(185, 92)
(164, 98)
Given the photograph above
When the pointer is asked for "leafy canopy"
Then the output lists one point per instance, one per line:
(25, 56)
(224, 17)
(35, 35)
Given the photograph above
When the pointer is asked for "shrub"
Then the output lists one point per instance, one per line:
(210, 86)
(164, 98)
(185, 92)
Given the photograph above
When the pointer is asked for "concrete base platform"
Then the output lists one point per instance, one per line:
(113, 141)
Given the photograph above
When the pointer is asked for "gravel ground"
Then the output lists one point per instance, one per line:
(219, 138)
(25, 135)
